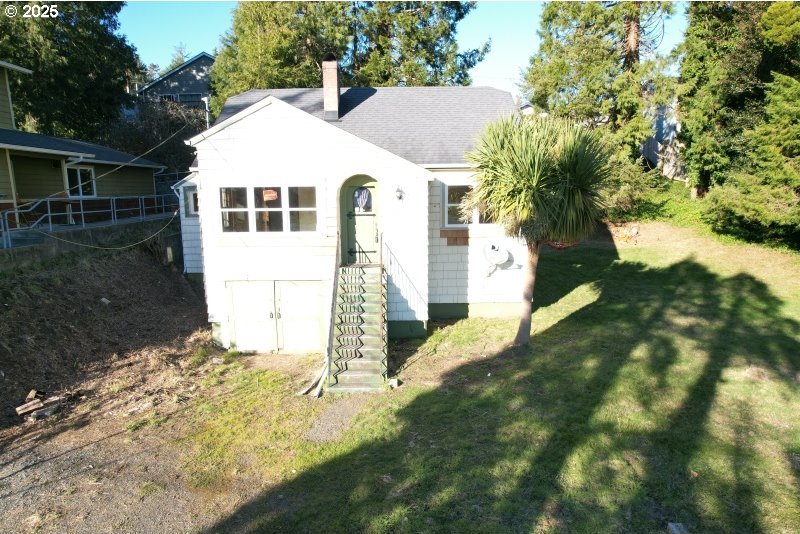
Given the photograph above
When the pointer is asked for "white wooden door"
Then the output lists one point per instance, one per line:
(300, 312)
(282, 315)
(253, 316)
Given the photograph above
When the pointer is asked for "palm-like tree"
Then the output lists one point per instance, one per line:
(539, 178)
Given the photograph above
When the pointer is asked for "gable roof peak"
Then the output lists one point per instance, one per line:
(176, 69)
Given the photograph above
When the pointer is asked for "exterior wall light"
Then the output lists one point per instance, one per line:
(400, 193)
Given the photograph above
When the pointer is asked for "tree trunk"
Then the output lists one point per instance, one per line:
(633, 33)
(524, 330)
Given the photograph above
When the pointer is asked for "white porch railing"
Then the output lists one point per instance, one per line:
(56, 213)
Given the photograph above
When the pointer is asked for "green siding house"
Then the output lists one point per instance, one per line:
(35, 167)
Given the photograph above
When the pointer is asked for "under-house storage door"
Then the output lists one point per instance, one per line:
(253, 316)
(300, 314)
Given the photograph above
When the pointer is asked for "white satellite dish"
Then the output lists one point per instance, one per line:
(496, 255)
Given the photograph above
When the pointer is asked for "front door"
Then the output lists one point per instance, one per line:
(362, 245)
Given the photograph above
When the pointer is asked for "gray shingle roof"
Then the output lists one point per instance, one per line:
(46, 143)
(421, 124)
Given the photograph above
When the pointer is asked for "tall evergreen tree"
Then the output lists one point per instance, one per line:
(597, 64)
(714, 97)
(180, 55)
(276, 44)
(590, 66)
(410, 43)
(80, 65)
(739, 95)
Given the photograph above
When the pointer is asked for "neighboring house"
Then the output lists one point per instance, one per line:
(188, 83)
(309, 193)
(663, 148)
(75, 175)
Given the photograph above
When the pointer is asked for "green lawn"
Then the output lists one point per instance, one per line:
(662, 384)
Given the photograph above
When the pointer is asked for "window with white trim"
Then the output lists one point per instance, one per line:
(233, 203)
(274, 209)
(269, 209)
(285, 209)
(302, 209)
(190, 203)
(453, 195)
(80, 182)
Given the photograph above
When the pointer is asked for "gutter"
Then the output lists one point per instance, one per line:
(158, 168)
(25, 148)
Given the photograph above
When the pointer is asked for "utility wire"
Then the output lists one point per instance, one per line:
(115, 169)
(96, 178)
(122, 247)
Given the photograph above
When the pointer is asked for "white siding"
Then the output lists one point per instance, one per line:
(280, 145)
(462, 274)
(190, 235)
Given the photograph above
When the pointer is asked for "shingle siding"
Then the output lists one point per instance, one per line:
(460, 274)
(191, 237)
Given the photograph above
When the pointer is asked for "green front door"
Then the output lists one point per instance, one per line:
(362, 244)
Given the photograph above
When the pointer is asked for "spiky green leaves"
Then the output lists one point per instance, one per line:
(540, 177)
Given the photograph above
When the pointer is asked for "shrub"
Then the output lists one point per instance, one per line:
(747, 207)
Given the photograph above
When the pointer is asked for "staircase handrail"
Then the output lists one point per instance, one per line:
(331, 327)
(392, 260)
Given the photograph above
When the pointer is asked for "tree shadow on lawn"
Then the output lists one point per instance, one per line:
(596, 428)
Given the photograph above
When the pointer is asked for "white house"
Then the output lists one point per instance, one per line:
(310, 195)
(186, 189)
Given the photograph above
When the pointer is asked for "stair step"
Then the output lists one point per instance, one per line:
(360, 340)
(372, 328)
(354, 388)
(360, 307)
(361, 364)
(357, 298)
(354, 316)
(359, 377)
(350, 352)
(353, 289)
(371, 276)
(361, 269)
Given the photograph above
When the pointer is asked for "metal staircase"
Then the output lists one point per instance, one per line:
(359, 357)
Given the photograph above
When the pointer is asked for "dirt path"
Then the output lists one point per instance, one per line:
(79, 481)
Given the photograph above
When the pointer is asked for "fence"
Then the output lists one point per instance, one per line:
(58, 213)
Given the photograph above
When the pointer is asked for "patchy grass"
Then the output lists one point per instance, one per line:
(152, 419)
(661, 385)
(200, 356)
(150, 488)
(119, 386)
(231, 356)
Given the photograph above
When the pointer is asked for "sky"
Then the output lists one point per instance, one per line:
(155, 28)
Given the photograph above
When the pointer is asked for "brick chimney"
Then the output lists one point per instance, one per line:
(330, 88)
